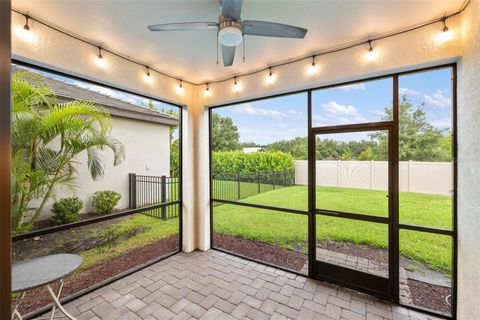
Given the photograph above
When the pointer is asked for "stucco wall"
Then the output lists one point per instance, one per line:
(147, 153)
(469, 167)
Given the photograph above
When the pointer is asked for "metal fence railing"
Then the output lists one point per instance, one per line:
(237, 186)
(145, 191)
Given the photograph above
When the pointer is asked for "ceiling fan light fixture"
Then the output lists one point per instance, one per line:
(230, 33)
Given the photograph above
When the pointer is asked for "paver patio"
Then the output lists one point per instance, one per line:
(215, 285)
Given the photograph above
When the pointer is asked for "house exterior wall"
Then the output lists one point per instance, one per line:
(147, 147)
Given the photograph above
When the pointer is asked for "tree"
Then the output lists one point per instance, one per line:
(47, 137)
(225, 135)
(419, 140)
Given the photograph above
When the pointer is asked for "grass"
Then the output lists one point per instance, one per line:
(290, 230)
(132, 233)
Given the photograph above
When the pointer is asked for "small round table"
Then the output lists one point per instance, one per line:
(43, 271)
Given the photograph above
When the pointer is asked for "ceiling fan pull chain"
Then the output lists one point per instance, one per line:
(217, 48)
(243, 44)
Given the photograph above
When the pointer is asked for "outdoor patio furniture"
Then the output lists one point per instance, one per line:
(43, 271)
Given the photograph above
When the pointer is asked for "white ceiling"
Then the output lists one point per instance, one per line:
(122, 27)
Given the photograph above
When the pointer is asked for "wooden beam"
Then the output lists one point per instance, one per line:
(5, 158)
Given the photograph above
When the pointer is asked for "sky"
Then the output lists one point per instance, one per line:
(284, 118)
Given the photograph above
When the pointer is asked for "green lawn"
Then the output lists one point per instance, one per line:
(290, 230)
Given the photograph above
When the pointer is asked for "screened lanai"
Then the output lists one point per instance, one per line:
(229, 159)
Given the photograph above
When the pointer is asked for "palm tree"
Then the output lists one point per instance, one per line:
(47, 138)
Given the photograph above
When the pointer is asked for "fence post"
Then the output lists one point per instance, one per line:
(132, 190)
(163, 195)
(258, 179)
(238, 181)
(284, 178)
(273, 179)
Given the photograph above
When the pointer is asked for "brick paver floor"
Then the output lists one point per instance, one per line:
(215, 285)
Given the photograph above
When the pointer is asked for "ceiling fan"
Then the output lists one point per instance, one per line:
(231, 28)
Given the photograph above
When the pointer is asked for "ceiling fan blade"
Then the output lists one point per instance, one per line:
(228, 53)
(181, 26)
(231, 9)
(272, 29)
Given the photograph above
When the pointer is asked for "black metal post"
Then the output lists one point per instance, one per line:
(163, 196)
(258, 179)
(132, 190)
(238, 184)
(273, 179)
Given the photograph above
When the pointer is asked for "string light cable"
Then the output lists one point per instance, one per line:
(343, 47)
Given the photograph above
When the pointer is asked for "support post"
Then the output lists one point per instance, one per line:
(132, 190)
(5, 159)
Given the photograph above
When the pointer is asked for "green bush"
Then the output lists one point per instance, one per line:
(234, 162)
(105, 201)
(67, 210)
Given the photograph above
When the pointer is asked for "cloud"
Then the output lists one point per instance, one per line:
(442, 123)
(353, 87)
(438, 99)
(251, 110)
(408, 92)
(339, 109)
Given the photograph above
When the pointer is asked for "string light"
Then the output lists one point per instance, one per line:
(99, 61)
(208, 92)
(271, 77)
(446, 34)
(179, 89)
(313, 68)
(236, 85)
(371, 54)
(147, 77)
(24, 32)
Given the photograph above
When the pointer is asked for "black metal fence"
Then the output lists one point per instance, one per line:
(237, 186)
(148, 191)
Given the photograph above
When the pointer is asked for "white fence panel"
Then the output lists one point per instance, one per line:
(415, 176)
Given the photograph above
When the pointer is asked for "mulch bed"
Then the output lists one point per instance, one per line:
(429, 296)
(261, 251)
(89, 277)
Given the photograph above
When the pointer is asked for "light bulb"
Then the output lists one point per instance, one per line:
(371, 55)
(100, 62)
(312, 69)
(208, 92)
(270, 77)
(24, 34)
(147, 77)
(236, 85)
(444, 36)
(179, 89)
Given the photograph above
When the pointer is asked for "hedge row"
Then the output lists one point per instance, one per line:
(233, 162)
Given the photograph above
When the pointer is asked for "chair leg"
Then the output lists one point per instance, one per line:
(54, 307)
(58, 304)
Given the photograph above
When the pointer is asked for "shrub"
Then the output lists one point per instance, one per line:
(67, 210)
(105, 201)
(228, 162)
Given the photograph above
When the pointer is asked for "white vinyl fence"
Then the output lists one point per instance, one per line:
(420, 177)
